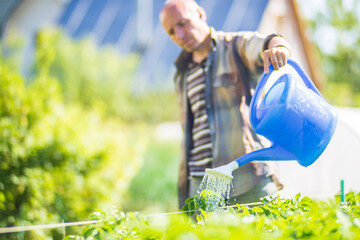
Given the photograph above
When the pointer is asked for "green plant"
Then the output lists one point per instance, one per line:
(58, 161)
(74, 134)
(336, 30)
(155, 185)
(98, 77)
(113, 225)
(207, 200)
(276, 218)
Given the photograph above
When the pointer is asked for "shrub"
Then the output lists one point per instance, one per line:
(97, 77)
(297, 218)
(58, 161)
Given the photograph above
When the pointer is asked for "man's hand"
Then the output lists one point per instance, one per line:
(277, 54)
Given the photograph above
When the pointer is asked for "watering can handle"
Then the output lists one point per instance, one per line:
(262, 82)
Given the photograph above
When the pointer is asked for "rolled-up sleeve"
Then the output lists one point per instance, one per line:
(250, 46)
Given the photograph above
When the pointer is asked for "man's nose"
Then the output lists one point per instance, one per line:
(179, 33)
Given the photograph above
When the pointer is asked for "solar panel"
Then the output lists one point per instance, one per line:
(114, 22)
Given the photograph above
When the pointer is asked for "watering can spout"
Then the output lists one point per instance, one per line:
(273, 153)
(293, 115)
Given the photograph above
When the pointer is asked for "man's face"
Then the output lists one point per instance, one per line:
(185, 25)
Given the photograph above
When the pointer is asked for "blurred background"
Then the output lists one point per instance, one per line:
(88, 114)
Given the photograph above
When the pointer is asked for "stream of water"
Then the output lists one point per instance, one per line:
(217, 183)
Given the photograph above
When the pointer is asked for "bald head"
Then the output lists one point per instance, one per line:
(189, 5)
(185, 22)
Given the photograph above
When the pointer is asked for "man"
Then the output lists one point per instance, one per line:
(214, 83)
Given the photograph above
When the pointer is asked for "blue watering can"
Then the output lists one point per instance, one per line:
(293, 116)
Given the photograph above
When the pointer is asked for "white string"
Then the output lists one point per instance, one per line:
(79, 223)
(63, 224)
(44, 226)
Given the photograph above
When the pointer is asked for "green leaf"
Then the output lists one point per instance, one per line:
(199, 218)
(203, 213)
(305, 200)
(90, 232)
(257, 210)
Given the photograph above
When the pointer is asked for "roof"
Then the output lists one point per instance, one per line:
(116, 22)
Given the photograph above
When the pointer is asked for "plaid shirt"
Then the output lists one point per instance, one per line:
(228, 93)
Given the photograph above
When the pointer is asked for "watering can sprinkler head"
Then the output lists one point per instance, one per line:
(223, 171)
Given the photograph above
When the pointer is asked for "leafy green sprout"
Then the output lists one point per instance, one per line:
(208, 201)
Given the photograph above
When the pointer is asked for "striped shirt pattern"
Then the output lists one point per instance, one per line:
(201, 152)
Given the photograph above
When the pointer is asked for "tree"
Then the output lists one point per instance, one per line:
(337, 35)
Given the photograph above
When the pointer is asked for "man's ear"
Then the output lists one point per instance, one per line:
(202, 13)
